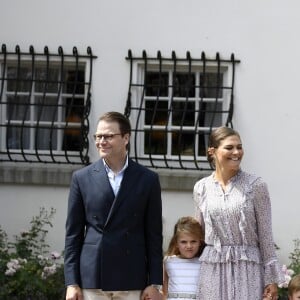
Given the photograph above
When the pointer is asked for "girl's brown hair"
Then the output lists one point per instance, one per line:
(294, 285)
(185, 225)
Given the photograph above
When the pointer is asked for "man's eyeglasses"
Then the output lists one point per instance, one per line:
(106, 137)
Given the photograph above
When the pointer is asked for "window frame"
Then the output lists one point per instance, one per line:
(135, 107)
(64, 64)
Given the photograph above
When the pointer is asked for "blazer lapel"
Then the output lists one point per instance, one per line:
(100, 177)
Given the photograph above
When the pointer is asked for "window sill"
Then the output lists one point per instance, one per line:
(39, 174)
(179, 180)
(60, 175)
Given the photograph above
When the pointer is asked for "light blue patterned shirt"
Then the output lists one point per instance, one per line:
(115, 179)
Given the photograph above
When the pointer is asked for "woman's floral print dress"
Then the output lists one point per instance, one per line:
(239, 259)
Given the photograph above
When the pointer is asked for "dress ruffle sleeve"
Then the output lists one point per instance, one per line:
(198, 200)
(262, 207)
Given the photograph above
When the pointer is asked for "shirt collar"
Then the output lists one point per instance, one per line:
(108, 169)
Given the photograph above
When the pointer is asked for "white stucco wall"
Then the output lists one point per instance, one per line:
(20, 203)
(262, 34)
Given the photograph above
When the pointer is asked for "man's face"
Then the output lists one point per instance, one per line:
(110, 143)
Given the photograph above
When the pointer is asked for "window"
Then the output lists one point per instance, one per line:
(174, 104)
(45, 101)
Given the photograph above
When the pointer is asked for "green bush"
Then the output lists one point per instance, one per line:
(289, 271)
(27, 269)
(295, 257)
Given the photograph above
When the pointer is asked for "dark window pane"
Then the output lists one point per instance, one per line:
(20, 82)
(155, 142)
(74, 116)
(211, 85)
(44, 137)
(18, 108)
(156, 84)
(72, 138)
(156, 112)
(46, 82)
(46, 109)
(183, 113)
(73, 82)
(184, 85)
(202, 143)
(18, 137)
(74, 109)
(183, 143)
(201, 114)
(213, 114)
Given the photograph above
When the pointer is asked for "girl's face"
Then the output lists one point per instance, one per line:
(229, 154)
(295, 296)
(188, 245)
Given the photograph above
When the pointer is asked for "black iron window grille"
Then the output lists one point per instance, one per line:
(44, 106)
(174, 103)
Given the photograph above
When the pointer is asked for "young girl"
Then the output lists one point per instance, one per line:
(294, 288)
(181, 263)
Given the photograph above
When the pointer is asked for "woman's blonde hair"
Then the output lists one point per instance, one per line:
(185, 225)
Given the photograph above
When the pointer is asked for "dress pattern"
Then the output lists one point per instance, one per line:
(183, 276)
(239, 259)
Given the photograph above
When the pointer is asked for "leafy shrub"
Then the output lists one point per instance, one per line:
(289, 271)
(27, 269)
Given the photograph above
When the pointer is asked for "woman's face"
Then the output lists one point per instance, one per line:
(229, 154)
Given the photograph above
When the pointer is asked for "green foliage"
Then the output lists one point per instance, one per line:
(289, 271)
(27, 270)
(295, 257)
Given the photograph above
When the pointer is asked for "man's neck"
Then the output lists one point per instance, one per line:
(116, 166)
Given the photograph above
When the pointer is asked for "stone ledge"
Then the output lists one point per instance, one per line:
(180, 180)
(32, 174)
(60, 175)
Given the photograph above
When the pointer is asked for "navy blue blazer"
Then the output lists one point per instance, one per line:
(118, 248)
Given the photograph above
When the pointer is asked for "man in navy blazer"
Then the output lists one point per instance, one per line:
(113, 244)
